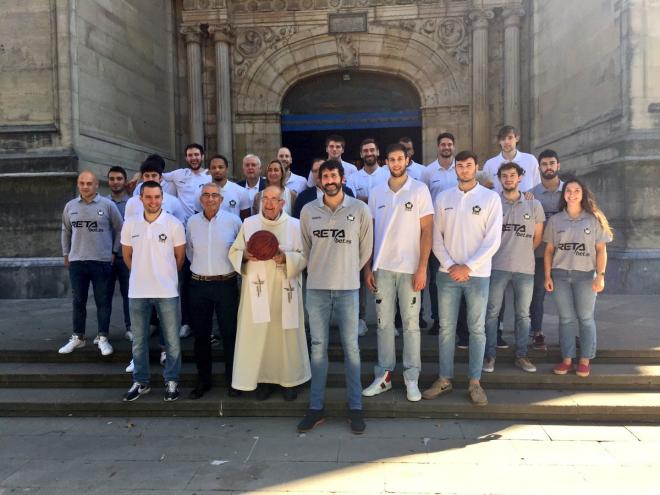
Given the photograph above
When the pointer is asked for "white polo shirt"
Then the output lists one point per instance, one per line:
(296, 183)
(396, 225)
(234, 199)
(528, 162)
(208, 242)
(153, 267)
(438, 178)
(188, 186)
(349, 169)
(361, 183)
(467, 229)
(415, 170)
(171, 205)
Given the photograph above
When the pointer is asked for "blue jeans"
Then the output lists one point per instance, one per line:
(120, 272)
(343, 306)
(523, 286)
(475, 290)
(575, 302)
(170, 321)
(99, 273)
(536, 307)
(390, 285)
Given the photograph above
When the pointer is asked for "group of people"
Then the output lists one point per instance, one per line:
(182, 252)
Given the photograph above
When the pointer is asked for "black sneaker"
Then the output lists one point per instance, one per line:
(501, 343)
(356, 421)
(264, 390)
(171, 391)
(136, 390)
(313, 418)
(289, 393)
(435, 328)
(215, 341)
(199, 391)
(463, 344)
(422, 322)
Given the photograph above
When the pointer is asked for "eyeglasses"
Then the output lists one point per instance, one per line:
(211, 195)
(271, 200)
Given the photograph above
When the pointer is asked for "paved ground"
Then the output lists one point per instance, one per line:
(202, 456)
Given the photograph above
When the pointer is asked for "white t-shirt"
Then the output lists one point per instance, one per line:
(396, 225)
(188, 186)
(438, 178)
(361, 183)
(467, 229)
(528, 162)
(234, 199)
(296, 183)
(153, 267)
(171, 205)
(349, 169)
(208, 242)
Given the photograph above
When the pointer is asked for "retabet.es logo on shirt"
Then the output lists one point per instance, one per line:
(518, 229)
(578, 248)
(90, 225)
(339, 235)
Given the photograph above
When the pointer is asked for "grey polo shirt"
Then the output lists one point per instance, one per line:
(575, 240)
(337, 243)
(550, 202)
(90, 231)
(519, 220)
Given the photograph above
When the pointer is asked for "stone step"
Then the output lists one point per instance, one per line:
(529, 405)
(623, 377)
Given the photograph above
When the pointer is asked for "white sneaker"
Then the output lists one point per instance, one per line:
(74, 343)
(105, 347)
(163, 358)
(412, 391)
(96, 340)
(379, 385)
(129, 335)
(489, 365)
(130, 367)
(185, 331)
(362, 328)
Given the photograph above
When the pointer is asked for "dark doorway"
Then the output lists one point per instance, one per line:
(355, 105)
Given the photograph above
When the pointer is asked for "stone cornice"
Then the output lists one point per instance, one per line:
(191, 34)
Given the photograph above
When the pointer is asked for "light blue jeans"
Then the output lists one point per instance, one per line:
(169, 315)
(343, 305)
(475, 291)
(575, 301)
(390, 285)
(523, 289)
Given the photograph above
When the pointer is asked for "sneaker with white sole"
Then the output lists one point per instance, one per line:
(412, 391)
(130, 367)
(136, 390)
(128, 335)
(489, 365)
(104, 346)
(171, 391)
(525, 364)
(163, 358)
(185, 331)
(96, 340)
(380, 384)
(74, 343)
(362, 328)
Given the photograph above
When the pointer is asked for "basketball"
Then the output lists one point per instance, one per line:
(263, 245)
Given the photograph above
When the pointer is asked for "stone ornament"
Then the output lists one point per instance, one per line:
(348, 54)
(250, 42)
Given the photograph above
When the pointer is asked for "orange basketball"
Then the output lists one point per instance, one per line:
(263, 245)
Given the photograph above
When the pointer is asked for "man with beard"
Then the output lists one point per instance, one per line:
(467, 228)
(294, 182)
(236, 199)
(548, 192)
(509, 137)
(271, 347)
(337, 236)
(403, 225)
(522, 229)
(188, 181)
(415, 170)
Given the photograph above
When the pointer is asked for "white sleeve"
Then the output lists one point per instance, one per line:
(178, 234)
(244, 202)
(492, 236)
(439, 248)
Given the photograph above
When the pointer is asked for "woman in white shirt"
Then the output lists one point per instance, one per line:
(275, 177)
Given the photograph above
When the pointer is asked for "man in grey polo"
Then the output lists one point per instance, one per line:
(91, 225)
(337, 235)
(522, 230)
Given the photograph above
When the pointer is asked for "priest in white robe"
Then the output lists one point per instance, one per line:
(271, 346)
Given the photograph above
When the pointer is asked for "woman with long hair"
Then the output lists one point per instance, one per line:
(275, 176)
(574, 260)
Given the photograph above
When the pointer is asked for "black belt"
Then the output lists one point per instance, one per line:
(212, 278)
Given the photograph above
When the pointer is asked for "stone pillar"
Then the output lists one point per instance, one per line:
(193, 39)
(512, 66)
(480, 114)
(222, 39)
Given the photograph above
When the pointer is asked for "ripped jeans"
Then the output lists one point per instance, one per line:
(390, 285)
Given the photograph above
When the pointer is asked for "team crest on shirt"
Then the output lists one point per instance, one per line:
(526, 216)
(587, 230)
(409, 206)
(162, 237)
(350, 218)
(100, 213)
(232, 203)
(476, 209)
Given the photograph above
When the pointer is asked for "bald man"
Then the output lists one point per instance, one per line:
(292, 181)
(91, 225)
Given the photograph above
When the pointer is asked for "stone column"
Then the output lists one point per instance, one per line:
(222, 40)
(480, 114)
(512, 66)
(193, 39)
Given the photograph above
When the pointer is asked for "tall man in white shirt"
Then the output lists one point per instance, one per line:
(294, 182)
(508, 137)
(403, 227)
(466, 234)
(213, 284)
(335, 146)
(235, 199)
(188, 181)
(154, 246)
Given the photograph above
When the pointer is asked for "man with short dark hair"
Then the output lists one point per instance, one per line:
(236, 199)
(508, 138)
(415, 170)
(335, 146)
(188, 181)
